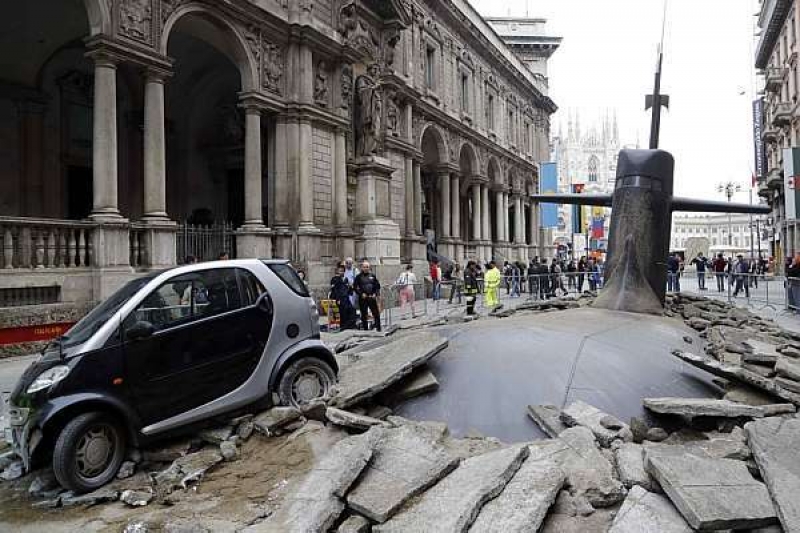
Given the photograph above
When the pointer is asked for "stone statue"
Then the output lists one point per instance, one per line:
(321, 85)
(392, 115)
(368, 112)
(347, 86)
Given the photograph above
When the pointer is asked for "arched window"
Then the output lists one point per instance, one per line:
(593, 164)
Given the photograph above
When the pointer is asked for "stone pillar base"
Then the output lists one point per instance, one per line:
(283, 243)
(159, 243)
(106, 281)
(253, 242)
(379, 242)
(111, 245)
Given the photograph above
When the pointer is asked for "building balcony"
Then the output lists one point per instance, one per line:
(773, 78)
(769, 134)
(774, 179)
(782, 115)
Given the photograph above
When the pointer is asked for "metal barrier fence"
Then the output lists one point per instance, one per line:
(755, 290)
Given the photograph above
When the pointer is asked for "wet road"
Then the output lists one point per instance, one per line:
(493, 369)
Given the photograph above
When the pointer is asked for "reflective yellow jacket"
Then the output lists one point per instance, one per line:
(493, 278)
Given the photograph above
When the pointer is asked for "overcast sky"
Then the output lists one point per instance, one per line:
(607, 61)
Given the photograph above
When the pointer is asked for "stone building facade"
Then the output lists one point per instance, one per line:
(315, 129)
(729, 234)
(776, 58)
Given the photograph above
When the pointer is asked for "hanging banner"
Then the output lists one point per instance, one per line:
(548, 184)
(758, 144)
(791, 176)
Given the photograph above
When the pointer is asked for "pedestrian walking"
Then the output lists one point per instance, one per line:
(471, 286)
(718, 265)
(368, 289)
(572, 270)
(507, 277)
(340, 291)
(701, 263)
(673, 268)
(405, 288)
(592, 273)
(741, 269)
(350, 272)
(436, 279)
(493, 278)
(455, 283)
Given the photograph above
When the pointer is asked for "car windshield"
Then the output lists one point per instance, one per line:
(289, 276)
(88, 325)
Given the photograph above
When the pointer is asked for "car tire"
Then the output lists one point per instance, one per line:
(305, 379)
(88, 452)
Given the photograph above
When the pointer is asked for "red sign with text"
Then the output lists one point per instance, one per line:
(41, 332)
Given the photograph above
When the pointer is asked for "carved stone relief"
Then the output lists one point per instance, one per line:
(136, 19)
(347, 87)
(272, 67)
(392, 115)
(321, 84)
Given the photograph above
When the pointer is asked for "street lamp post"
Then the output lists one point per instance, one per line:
(729, 189)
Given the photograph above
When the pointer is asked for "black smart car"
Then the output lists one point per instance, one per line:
(165, 352)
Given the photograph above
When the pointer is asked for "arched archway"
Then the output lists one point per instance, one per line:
(205, 125)
(470, 218)
(198, 22)
(99, 16)
(495, 208)
(434, 154)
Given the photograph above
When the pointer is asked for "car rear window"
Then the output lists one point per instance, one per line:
(288, 275)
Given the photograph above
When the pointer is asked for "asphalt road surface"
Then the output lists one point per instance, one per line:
(493, 369)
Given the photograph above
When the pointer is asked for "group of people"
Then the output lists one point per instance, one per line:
(741, 272)
(353, 288)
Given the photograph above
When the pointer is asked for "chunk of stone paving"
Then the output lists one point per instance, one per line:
(405, 463)
(354, 524)
(588, 472)
(788, 369)
(788, 384)
(101, 495)
(167, 453)
(711, 445)
(656, 435)
(186, 470)
(639, 430)
(525, 501)
(694, 407)
(712, 494)
(454, 503)
(422, 381)
(740, 393)
(366, 374)
(317, 503)
(579, 413)
(136, 498)
(644, 511)
(629, 459)
(350, 420)
(774, 442)
(271, 420)
(566, 516)
(548, 418)
(216, 435)
(13, 471)
(735, 372)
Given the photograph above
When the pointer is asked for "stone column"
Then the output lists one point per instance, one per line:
(455, 206)
(252, 169)
(486, 233)
(518, 237)
(155, 155)
(104, 148)
(340, 180)
(305, 190)
(417, 199)
(499, 210)
(444, 183)
(506, 225)
(409, 197)
(534, 225)
(282, 187)
(477, 213)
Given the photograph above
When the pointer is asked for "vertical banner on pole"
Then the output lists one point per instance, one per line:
(548, 184)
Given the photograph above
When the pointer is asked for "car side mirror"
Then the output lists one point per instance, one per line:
(140, 330)
(264, 303)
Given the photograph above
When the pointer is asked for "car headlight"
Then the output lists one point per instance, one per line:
(48, 378)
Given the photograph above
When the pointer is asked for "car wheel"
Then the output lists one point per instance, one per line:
(88, 452)
(304, 380)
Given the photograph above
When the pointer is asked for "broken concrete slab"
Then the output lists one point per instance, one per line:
(741, 393)
(454, 503)
(759, 358)
(216, 435)
(548, 418)
(694, 407)
(525, 501)
(788, 384)
(350, 420)
(408, 460)
(579, 413)
(268, 422)
(643, 511)
(370, 372)
(422, 381)
(629, 459)
(738, 373)
(317, 503)
(774, 443)
(354, 524)
(711, 445)
(788, 369)
(186, 470)
(712, 494)
(588, 472)
(137, 498)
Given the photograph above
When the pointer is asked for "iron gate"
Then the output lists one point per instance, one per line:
(205, 242)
